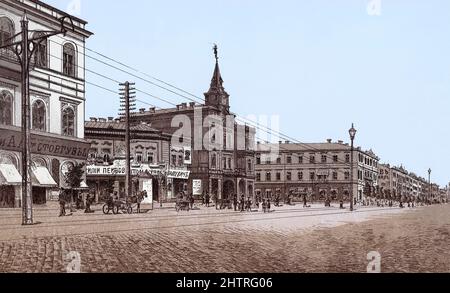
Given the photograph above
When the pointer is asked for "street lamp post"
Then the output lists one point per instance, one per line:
(25, 49)
(352, 133)
(430, 194)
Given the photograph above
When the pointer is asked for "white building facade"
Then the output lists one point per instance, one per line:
(57, 96)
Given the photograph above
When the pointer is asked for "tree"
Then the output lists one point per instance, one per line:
(73, 178)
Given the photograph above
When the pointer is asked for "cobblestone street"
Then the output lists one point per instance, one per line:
(291, 239)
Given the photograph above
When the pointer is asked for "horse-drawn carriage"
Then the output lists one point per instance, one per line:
(117, 206)
(183, 205)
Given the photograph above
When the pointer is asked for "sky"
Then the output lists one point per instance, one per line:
(319, 65)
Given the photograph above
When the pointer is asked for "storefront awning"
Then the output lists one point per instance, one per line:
(9, 175)
(42, 178)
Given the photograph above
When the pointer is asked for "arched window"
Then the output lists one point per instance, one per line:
(40, 55)
(214, 161)
(6, 30)
(69, 59)
(68, 122)
(39, 114)
(6, 102)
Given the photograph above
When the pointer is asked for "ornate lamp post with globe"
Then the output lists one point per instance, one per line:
(352, 133)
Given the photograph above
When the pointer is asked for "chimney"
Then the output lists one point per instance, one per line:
(184, 105)
(152, 110)
(142, 111)
(110, 119)
(179, 107)
(93, 119)
(340, 142)
(280, 142)
(117, 120)
(329, 140)
(101, 119)
(258, 142)
(287, 142)
(192, 105)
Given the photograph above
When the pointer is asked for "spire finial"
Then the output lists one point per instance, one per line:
(216, 52)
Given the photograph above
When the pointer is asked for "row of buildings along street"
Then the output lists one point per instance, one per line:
(163, 164)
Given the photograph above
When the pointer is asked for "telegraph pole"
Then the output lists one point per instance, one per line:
(27, 197)
(24, 50)
(128, 100)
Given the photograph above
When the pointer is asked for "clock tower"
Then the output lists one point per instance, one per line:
(216, 95)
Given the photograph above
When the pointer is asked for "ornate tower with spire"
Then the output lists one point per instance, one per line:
(216, 95)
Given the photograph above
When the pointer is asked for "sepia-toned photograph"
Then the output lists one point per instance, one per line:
(224, 137)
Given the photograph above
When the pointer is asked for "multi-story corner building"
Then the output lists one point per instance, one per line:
(57, 90)
(398, 182)
(156, 167)
(221, 152)
(315, 169)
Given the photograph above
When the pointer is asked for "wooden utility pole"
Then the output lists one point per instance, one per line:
(128, 100)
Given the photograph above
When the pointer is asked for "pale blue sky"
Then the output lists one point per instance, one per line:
(319, 64)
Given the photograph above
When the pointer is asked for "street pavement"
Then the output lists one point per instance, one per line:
(289, 239)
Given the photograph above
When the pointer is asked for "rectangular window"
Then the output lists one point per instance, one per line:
(278, 161)
(139, 157)
(312, 159)
(289, 176)
(335, 158)
(278, 176)
(300, 159)
(289, 160)
(150, 159)
(324, 159)
(300, 176)
(258, 177)
(335, 175)
(312, 175)
(347, 158)
(229, 164)
(347, 175)
(258, 161)
(174, 160)
(268, 176)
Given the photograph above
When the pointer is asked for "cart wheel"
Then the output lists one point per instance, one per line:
(105, 209)
(130, 210)
(115, 210)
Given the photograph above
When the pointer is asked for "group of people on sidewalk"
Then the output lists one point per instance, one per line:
(66, 199)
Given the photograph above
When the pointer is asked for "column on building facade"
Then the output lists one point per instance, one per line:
(219, 196)
(210, 186)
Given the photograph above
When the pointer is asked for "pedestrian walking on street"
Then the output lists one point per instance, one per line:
(242, 203)
(207, 199)
(89, 201)
(235, 202)
(62, 203)
(191, 201)
(140, 198)
(305, 202)
(249, 204)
